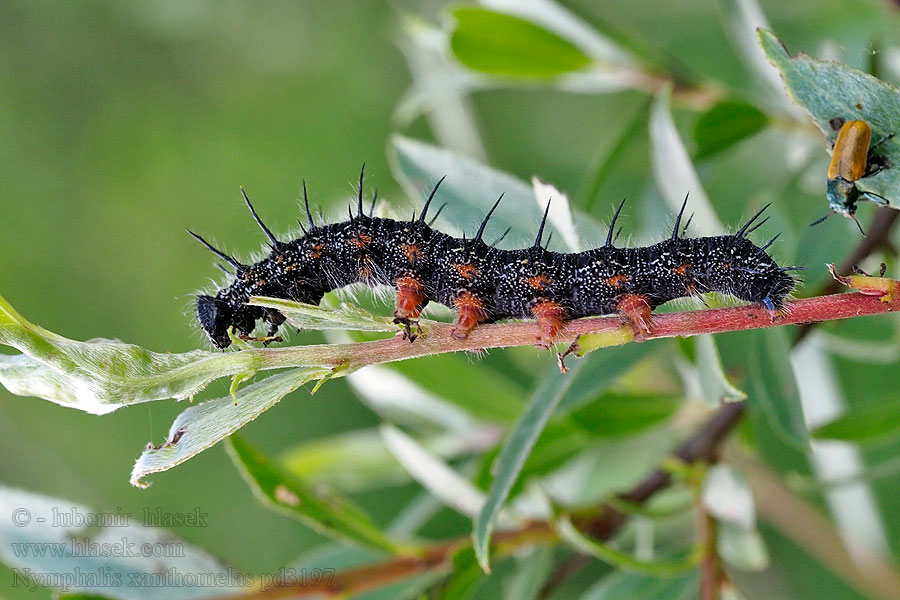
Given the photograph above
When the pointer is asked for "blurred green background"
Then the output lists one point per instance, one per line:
(123, 124)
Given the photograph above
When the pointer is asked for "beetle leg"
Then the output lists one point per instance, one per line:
(881, 141)
(879, 200)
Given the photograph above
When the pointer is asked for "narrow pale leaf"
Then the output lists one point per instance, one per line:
(531, 573)
(470, 190)
(864, 423)
(620, 585)
(771, 387)
(674, 173)
(609, 466)
(713, 381)
(513, 453)
(397, 399)
(358, 460)
(450, 376)
(314, 505)
(560, 212)
(727, 496)
(742, 548)
(204, 425)
(450, 487)
(742, 19)
(623, 560)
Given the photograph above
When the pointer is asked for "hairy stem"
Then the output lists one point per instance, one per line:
(353, 356)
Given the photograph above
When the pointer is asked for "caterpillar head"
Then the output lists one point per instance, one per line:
(215, 318)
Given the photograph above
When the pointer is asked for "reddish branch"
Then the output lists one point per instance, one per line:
(603, 523)
(439, 339)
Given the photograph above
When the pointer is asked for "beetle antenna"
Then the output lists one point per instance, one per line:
(817, 221)
(855, 220)
(881, 141)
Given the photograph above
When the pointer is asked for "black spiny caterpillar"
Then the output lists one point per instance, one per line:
(484, 283)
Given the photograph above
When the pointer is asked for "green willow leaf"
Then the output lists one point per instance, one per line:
(501, 44)
(713, 381)
(100, 376)
(450, 376)
(828, 89)
(613, 415)
(620, 585)
(726, 124)
(314, 505)
(532, 571)
(514, 452)
(466, 578)
(673, 170)
(771, 387)
(358, 460)
(204, 425)
(471, 188)
(866, 423)
(623, 560)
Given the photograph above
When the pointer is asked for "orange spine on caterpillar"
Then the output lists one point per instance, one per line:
(484, 283)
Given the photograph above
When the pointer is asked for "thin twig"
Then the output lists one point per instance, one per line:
(711, 573)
